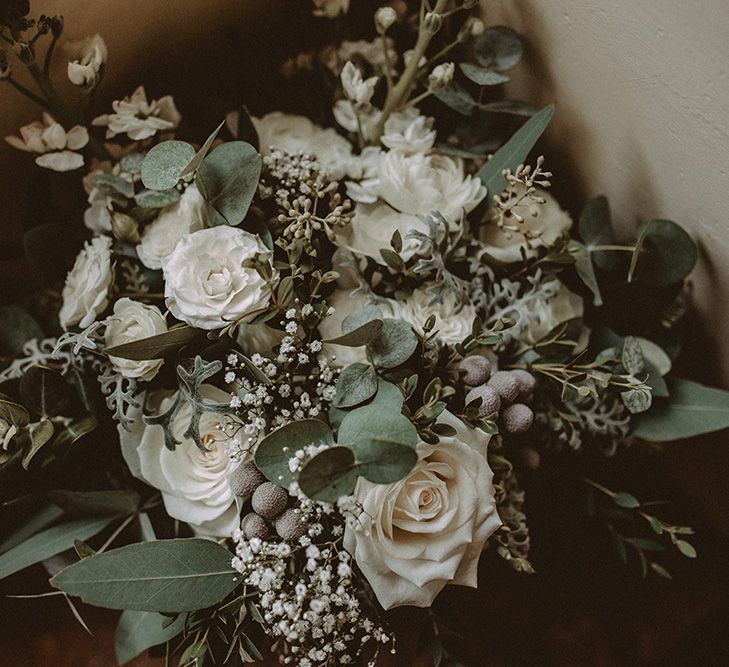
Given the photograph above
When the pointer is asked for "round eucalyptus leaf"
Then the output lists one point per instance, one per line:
(330, 474)
(498, 48)
(665, 255)
(357, 383)
(157, 198)
(394, 345)
(482, 76)
(372, 423)
(164, 163)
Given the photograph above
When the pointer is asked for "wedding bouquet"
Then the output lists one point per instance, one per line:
(331, 350)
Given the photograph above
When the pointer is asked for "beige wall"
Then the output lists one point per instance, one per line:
(642, 95)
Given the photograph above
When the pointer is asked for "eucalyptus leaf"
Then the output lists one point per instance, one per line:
(155, 347)
(204, 150)
(132, 163)
(40, 433)
(48, 543)
(457, 98)
(691, 410)
(278, 447)
(157, 198)
(373, 423)
(632, 356)
(394, 345)
(637, 400)
(498, 48)
(39, 520)
(482, 76)
(362, 335)
(179, 575)
(138, 631)
(626, 500)
(514, 107)
(112, 502)
(388, 397)
(514, 152)
(360, 317)
(13, 413)
(163, 165)
(357, 383)
(113, 184)
(44, 391)
(330, 474)
(595, 227)
(16, 328)
(665, 254)
(228, 179)
(585, 270)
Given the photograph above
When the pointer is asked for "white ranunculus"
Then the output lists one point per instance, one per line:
(194, 484)
(358, 90)
(86, 292)
(419, 184)
(364, 120)
(85, 68)
(427, 530)
(206, 284)
(453, 320)
(138, 118)
(297, 134)
(543, 229)
(174, 221)
(372, 228)
(547, 314)
(409, 132)
(345, 302)
(131, 322)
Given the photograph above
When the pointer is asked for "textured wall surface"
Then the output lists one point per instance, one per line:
(642, 96)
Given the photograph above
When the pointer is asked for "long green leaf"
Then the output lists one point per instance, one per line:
(155, 347)
(49, 543)
(41, 519)
(166, 575)
(139, 630)
(514, 152)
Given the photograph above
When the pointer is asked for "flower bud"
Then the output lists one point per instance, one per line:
(432, 22)
(56, 26)
(125, 228)
(384, 18)
(441, 76)
(472, 27)
(269, 500)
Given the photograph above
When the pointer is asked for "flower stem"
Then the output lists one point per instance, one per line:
(28, 93)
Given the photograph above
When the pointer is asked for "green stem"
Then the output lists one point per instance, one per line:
(49, 56)
(28, 93)
(624, 248)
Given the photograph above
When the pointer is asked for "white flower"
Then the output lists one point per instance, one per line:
(86, 292)
(330, 8)
(131, 322)
(441, 76)
(453, 320)
(97, 217)
(206, 284)
(372, 228)
(194, 483)
(358, 90)
(366, 168)
(138, 118)
(409, 132)
(547, 314)
(427, 530)
(85, 69)
(419, 184)
(364, 120)
(543, 230)
(297, 134)
(384, 18)
(174, 221)
(55, 146)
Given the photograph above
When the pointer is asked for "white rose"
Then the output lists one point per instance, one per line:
(372, 228)
(547, 314)
(417, 535)
(297, 134)
(358, 90)
(543, 230)
(194, 484)
(453, 320)
(345, 302)
(206, 284)
(419, 184)
(174, 221)
(409, 132)
(86, 292)
(130, 322)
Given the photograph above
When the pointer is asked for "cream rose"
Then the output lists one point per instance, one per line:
(453, 320)
(86, 292)
(543, 230)
(297, 134)
(130, 322)
(162, 235)
(206, 282)
(427, 530)
(194, 483)
(418, 184)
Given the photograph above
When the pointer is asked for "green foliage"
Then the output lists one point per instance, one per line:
(691, 410)
(195, 163)
(39, 520)
(498, 48)
(163, 165)
(111, 184)
(388, 397)
(16, 327)
(155, 347)
(482, 76)
(138, 631)
(330, 474)
(586, 270)
(164, 575)
(664, 254)
(44, 391)
(157, 198)
(49, 542)
(514, 152)
(357, 383)
(395, 344)
(112, 502)
(228, 179)
(362, 335)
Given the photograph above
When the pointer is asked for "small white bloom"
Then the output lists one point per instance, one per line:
(453, 320)
(330, 8)
(408, 131)
(358, 90)
(138, 118)
(86, 292)
(441, 76)
(364, 120)
(206, 284)
(384, 18)
(55, 147)
(174, 221)
(130, 322)
(85, 68)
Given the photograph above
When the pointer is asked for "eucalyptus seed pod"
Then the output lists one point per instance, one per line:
(245, 479)
(490, 400)
(478, 369)
(505, 385)
(269, 500)
(517, 418)
(254, 525)
(291, 525)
